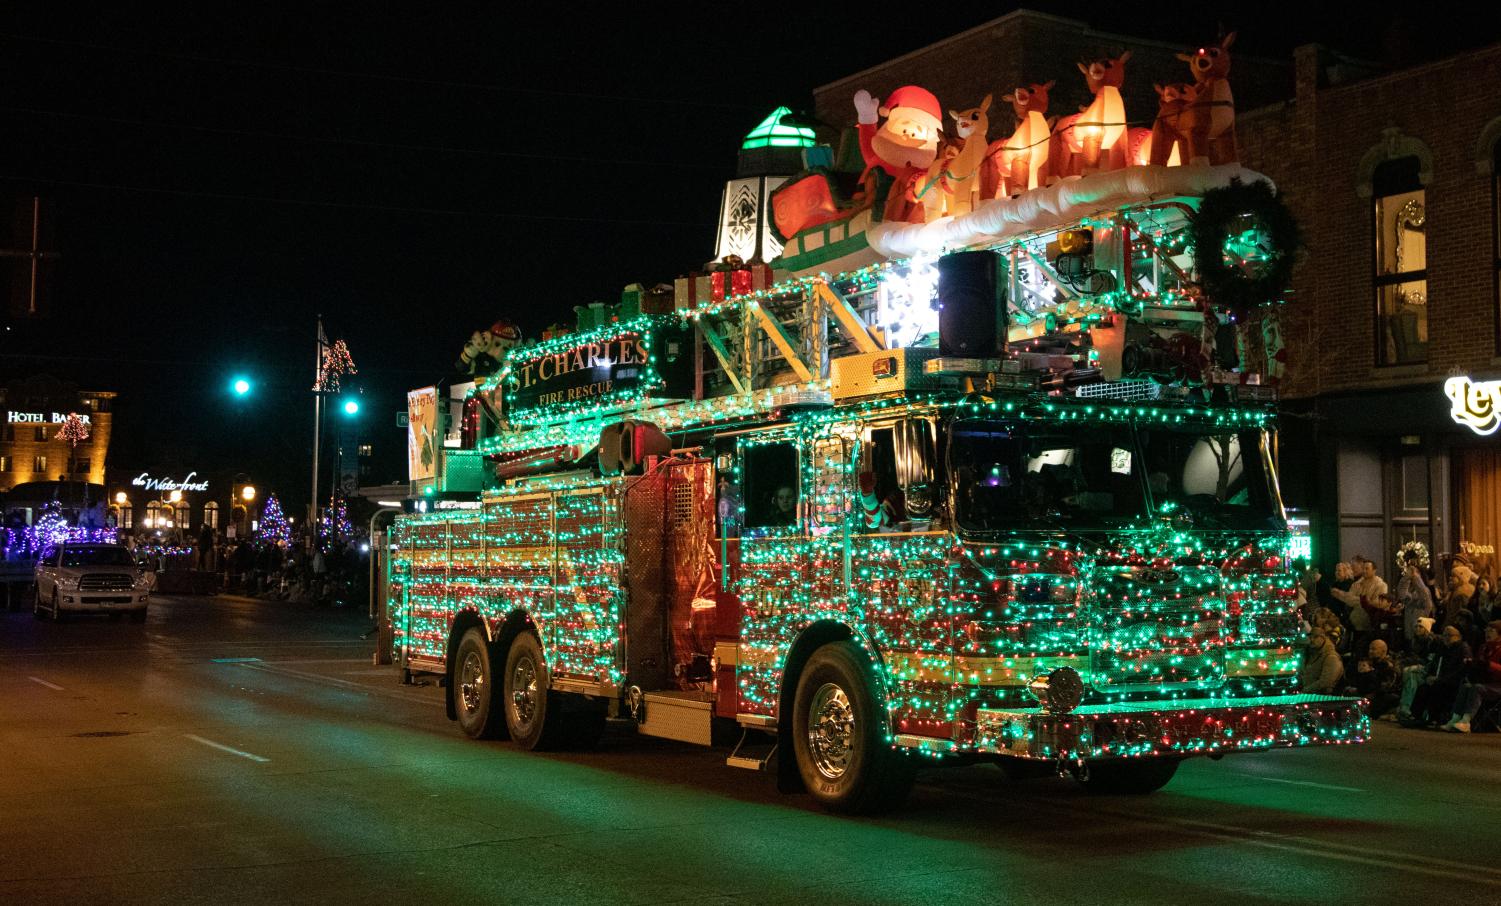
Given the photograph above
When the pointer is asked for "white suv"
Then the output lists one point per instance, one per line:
(91, 578)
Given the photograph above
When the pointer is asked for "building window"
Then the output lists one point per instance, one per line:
(4, 463)
(182, 515)
(82, 466)
(364, 449)
(127, 516)
(211, 514)
(39, 464)
(41, 432)
(1401, 258)
(154, 517)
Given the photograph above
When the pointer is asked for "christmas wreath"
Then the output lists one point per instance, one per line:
(1245, 241)
(1412, 547)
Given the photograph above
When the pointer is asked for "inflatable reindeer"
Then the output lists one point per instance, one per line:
(1020, 160)
(1208, 121)
(1091, 139)
(961, 171)
(1165, 147)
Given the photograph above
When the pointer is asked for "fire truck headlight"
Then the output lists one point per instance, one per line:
(1059, 691)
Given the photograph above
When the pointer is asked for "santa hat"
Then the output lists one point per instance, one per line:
(917, 98)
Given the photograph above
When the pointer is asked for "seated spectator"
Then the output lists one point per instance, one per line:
(1484, 601)
(1431, 687)
(1484, 686)
(1321, 666)
(1324, 618)
(1376, 679)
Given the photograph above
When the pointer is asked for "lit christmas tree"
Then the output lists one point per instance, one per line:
(51, 529)
(334, 522)
(274, 525)
(75, 431)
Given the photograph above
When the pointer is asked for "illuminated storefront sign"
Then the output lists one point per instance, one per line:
(144, 480)
(41, 418)
(1474, 404)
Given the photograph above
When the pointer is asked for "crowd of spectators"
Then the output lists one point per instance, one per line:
(1419, 655)
(336, 572)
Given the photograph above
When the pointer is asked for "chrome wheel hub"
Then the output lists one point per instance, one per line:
(524, 690)
(831, 730)
(471, 682)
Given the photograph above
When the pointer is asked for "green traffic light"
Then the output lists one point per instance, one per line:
(241, 386)
(351, 407)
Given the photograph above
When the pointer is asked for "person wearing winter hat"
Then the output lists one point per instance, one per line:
(1486, 685)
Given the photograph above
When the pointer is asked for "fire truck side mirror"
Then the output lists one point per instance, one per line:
(624, 446)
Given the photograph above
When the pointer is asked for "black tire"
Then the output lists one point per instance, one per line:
(474, 689)
(1129, 777)
(138, 616)
(858, 772)
(533, 713)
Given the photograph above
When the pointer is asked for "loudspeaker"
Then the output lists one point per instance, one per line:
(610, 442)
(971, 296)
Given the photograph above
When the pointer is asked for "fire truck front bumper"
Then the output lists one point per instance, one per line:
(1203, 726)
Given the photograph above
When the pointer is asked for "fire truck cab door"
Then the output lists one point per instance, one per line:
(764, 509)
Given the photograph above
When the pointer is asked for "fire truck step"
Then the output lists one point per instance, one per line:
(752, 754)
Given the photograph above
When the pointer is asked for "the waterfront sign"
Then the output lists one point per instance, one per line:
(144, 480)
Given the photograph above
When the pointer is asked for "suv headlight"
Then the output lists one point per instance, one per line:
(68, 583)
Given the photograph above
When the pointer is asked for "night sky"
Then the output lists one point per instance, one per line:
(219, 178)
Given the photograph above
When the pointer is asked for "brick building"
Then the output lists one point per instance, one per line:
(31, 412)
(1393, 178)
(1387, 301)
(1026, 47)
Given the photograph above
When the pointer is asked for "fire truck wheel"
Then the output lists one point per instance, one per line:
(839, 735)
(1130, 777)
(474, 687)
(534, 715)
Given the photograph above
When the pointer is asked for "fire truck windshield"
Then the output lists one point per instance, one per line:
(1218, 479)
(1038, 475)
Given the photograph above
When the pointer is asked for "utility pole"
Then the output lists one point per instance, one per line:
(322, 345)
(35, 255)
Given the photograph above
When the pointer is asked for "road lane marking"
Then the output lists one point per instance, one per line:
(234, 660)
(1322, 786)
(41, 682)
(223, 748)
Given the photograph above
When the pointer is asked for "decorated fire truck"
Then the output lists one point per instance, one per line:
(996, 480)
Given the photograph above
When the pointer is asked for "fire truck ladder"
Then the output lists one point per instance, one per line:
(783, 337)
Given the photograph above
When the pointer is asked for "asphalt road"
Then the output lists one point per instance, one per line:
(233, 751)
